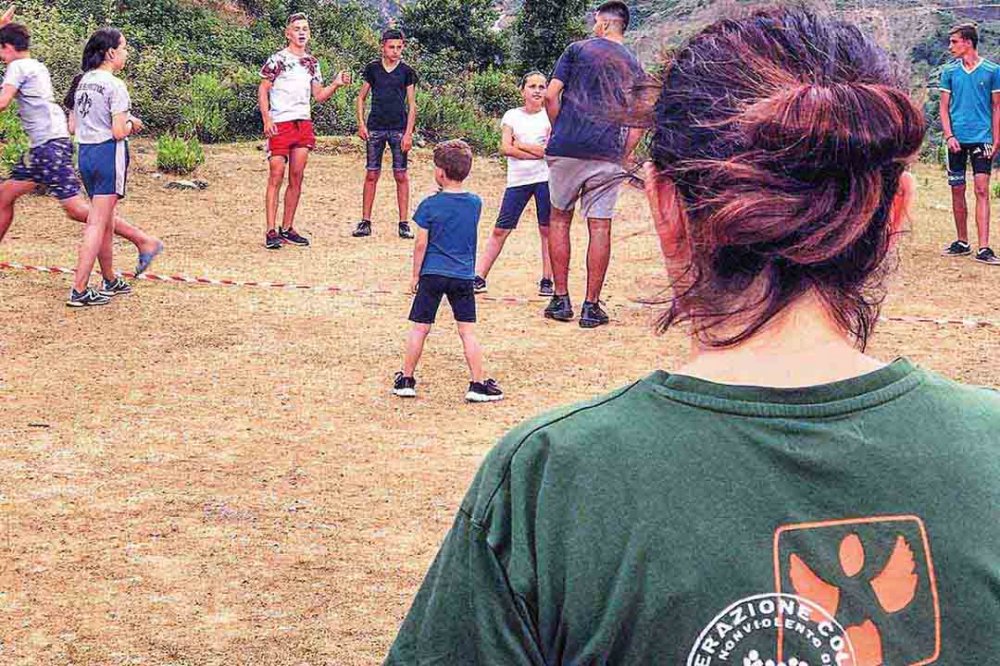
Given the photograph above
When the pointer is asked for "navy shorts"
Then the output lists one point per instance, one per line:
(104, 167)
(376, 148)
(977, 153)
(51, 166)
(515, 199)
(430, 289)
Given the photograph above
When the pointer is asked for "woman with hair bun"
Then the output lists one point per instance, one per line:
(782, 497)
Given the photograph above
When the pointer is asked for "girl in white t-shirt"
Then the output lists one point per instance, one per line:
(525, 132)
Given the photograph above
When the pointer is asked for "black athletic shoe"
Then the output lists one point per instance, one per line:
(88, 298)
(546, 287)
(592, 315)
(479, 284)
(404, 230)
(290, 236)
(559, 308)
(404, 387)
(488, 391)
(115, 287)
(957, 249)
(987, 256)
(364, 228)
(272, 241)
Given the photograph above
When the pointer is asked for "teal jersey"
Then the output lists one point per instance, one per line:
(688, 523)
(971, 104)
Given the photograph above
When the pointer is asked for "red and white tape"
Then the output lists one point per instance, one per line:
(967, 322)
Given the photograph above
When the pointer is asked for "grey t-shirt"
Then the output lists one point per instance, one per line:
(99, 97)
(43, 120)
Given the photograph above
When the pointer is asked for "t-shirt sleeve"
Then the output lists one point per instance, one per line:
(945, 83)
(411, 76)
(271, 69)
(465, 611)
(508, 119)
(422, 216)
(369, 74)
(564, 66)
(15, 75)
(995, 85)
(120, 100)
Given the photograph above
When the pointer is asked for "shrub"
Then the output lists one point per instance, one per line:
(178, 155)
(13, 140)
(159, 84)
(495, 91)
(443, 115)
(205, 114)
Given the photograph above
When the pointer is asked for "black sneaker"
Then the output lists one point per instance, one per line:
(272, 241)
(546, 287)
(404, 387)
(487, 391)
(364, 228)
(592, 315)
(115, 287)
(987, 256)
(404, 230)
(290, 236)
(478, 284)
(559, 308)
(957, 249)
(86, 299)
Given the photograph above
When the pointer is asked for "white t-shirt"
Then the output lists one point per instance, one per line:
(41, 118)
(100, 96)
(528, 128)
(291, 77)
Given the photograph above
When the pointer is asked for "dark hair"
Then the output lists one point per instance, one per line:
(534, 72)
(618, 11)
(786, 135)
(455, 158)
(16, 35)
(297, 16)
(968, 31)
(392, 33)
(94, 54)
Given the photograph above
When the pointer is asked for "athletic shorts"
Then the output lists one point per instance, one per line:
(595, 183)
(104, 167)
(377, 139)
(977, 153)
(50, 165)
(291, 134)
(430, 289)
(516, 198)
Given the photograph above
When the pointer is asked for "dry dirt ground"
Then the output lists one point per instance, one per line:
(209, 475)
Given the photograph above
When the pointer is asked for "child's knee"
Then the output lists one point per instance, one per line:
(372, 176)
(402, 177)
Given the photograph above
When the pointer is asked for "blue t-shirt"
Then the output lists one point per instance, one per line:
(597, 75)
(451, 220)
(971, 105)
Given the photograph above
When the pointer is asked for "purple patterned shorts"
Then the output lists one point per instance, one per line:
(51, 166)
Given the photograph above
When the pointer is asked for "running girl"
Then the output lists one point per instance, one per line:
(103, 120)
(525, 132)
(288, 79)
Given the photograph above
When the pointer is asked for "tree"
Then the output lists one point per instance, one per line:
(544, 28)
(466, 27)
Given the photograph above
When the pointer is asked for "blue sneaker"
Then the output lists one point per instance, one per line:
(116, 287)
(146, 258)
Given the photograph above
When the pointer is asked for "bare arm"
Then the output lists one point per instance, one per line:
(411, 117)
(264, 104)
(124, 125)
(360, 107)
(8, 16)
(995, 123)
(949, 137)
(510, 148)
(322, 93)
(553, 99)
(7, 94)
(419, 250)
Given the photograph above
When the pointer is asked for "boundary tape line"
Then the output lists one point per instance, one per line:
(967, 322)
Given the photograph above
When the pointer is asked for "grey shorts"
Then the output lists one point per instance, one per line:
(595, 183)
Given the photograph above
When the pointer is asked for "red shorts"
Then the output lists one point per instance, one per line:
(291, 134)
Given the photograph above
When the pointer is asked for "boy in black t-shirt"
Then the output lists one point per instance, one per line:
(393, 115)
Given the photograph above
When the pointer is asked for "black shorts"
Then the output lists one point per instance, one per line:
(375, 148)
(515, 199)
(431, 288)
(977, 153)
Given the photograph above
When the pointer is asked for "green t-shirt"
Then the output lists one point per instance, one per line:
(678, 521)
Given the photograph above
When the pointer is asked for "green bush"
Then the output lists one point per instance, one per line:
(495, 91)
(13, 140)
(205, 114)
(443, 115)
(159, 85)
(178, 155)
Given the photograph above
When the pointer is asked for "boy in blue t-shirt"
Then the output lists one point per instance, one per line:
(970, 118)
(444, 264)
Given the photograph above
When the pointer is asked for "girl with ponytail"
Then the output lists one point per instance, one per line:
(101, 116)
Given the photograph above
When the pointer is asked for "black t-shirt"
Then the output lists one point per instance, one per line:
(389, 108)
